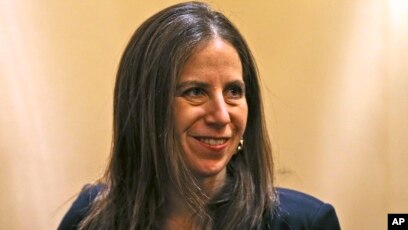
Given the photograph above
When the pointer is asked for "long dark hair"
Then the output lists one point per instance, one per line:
(145, 158)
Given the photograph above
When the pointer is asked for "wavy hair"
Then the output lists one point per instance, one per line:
(145, 158)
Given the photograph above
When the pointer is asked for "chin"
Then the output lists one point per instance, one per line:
(214, 173)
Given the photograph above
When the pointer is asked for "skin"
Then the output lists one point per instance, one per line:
(210, 111)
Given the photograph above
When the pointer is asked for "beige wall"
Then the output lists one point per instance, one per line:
(335, 75)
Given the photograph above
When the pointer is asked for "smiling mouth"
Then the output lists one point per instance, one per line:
(212, 141)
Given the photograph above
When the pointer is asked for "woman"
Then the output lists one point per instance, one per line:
(190, 147)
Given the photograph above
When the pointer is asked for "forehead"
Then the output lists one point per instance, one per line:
(224, 52)
(214, 57)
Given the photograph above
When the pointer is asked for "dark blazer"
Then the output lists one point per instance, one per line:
(295, 210)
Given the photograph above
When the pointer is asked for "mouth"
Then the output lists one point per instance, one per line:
(211, 141)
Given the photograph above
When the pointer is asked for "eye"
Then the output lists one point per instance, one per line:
(234, 92)
(195, 95)
(194, 92)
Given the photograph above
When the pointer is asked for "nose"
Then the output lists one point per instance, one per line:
(217, 114)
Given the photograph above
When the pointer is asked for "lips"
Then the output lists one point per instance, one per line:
(212, 141)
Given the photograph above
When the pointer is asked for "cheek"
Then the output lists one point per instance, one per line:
(185, 116)
(241, 117)
(178, 117)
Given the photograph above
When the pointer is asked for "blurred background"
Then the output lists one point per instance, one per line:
(335, 86)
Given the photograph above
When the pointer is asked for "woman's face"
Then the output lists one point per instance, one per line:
(210, 109)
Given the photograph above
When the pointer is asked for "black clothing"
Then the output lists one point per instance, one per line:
(294, 211)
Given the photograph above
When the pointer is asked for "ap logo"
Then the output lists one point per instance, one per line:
(397, 221)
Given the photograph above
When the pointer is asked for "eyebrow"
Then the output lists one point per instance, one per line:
(237, 82)
(192, 83)
(206, 85)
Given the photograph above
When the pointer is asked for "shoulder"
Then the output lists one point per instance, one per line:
(80, 208)
(296, 210)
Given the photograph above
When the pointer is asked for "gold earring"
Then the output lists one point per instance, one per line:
(240, 145)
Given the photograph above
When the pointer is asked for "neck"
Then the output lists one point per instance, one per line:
(213, 185)
(179, 215)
